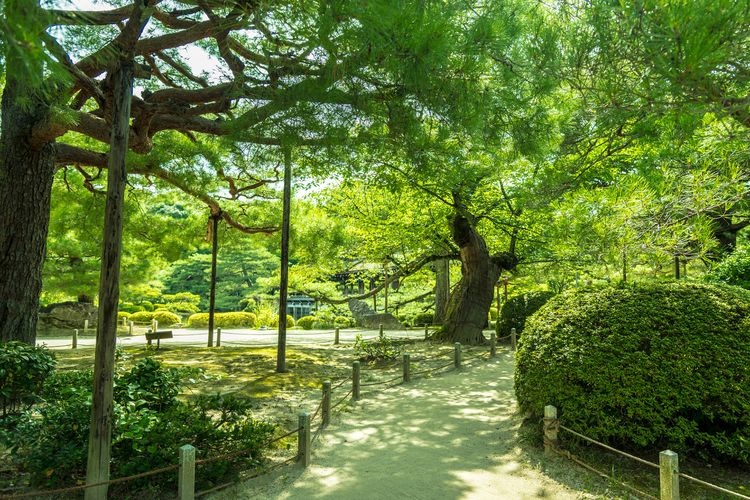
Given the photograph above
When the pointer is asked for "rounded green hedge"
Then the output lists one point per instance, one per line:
(649, 366)
(141, 317)
(514, 312)
(223, 320)
(306, 322)
(166, 318)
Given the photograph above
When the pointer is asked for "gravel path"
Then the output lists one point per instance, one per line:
(450, 436)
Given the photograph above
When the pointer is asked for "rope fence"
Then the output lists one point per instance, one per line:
(668, 466)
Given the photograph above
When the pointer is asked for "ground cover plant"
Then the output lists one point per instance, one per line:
(644, 366)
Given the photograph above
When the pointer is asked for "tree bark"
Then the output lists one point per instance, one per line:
(442, 289)
(284, 281)
(26, 175)
(470, 301)
(212, 290)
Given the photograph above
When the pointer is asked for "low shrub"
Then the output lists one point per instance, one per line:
(123, 314)
(147, 306)
(306, 322)
(733, 270)
(514, 312)
(166, 318)
(342, 322)
(422, 319)
(223, 320)
(142, 317)
(644, 366)
(23, 370)
(379, 349)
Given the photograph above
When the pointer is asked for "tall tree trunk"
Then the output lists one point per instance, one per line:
(442, 289)
(26, 175)
(470, 301)
(212, 290)
(284, 281)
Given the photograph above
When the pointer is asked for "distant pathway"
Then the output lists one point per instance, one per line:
(448, 437)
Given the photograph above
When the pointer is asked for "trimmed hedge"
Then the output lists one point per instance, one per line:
(514, 312)
(644, 366)
(306, 322)
(166, 318)
(142, 317)
(422, 319)
(223, 320)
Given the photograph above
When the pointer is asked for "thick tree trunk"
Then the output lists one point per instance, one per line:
(470, 301)
(284, 281)
(26, 175)
(442, 289)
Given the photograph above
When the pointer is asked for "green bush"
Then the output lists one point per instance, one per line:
(123, 314)
(306, 322)
(422, 319)
(49, 442)
(342, 322)
(166, 318)
(23, 370)
(142, 317)
(733, 270)
(644, 366)
(147, 306)
(517, 309)
(223, 320)
(379, 349)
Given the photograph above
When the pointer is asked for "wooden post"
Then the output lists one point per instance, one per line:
(154, 325)
(75, 339)
(186, 474)
(124, 321)
(218, 337)
(426, 331)
(513, 339)
(669, 475)
(457, 355)
(551, 425)
(336, 337)
(85, 326)
(326, 408)
(381, 334)
(130, 328)
(407, 368)
(355, 380)
(284, 271)
(303, 439)
(493, 345)
(148, 340)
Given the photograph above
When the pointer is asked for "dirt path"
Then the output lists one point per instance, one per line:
(451, 436)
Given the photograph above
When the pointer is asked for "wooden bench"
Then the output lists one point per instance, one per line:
(158, 335)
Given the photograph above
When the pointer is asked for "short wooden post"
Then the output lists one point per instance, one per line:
(493, 345)
(75, 339)
(513, 338)
(457, 355)
(303, 439)
(551, 426)
(336, 337)
(154, 325)
(148, 340)
(130, 328)
(124, 321)
(186, 474)
(407, 367)
(218, 337)
(326, 408)
(85, 326)
(381, 334)
(426, 331)
(355, 380)
(669, 475)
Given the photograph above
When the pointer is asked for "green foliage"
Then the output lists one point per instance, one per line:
(306, 322)
(23, 370)
(644, 366)
(422, 319)
(147, 305)
(142, 317)
(224, 320)
(733, 270)
(379, 349)
(517, 309)
(166, 318)
(49, 442)
(123, 314)
(342, 322)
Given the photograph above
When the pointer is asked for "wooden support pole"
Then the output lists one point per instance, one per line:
(75, 339)
(493, 345)
(85, 326)
(457, 355)
(148, 340)
(336, 337)
(326, 408)
(218, 337)
(186, 474)
(154, 325)
(513, 339)
(551, 426)
(381, 334)
(669, 475)
(355, 380)
(124, 321)
(303, 439)
(407, 367)
(426, 331)
(130, 328)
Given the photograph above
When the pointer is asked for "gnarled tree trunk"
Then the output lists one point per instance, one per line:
(26, 175)
(442, 289)
(470, 301)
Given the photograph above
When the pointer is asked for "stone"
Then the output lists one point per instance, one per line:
(68, 315)
(367, 318)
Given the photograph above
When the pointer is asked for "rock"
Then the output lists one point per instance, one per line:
(68, 315)
(367, 318)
